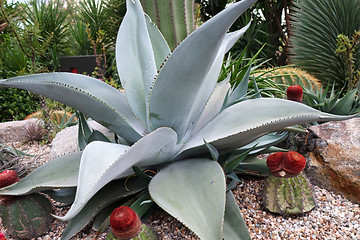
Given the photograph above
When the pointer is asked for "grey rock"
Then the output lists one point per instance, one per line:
(335, 166)
(66, 141)
(14, 131)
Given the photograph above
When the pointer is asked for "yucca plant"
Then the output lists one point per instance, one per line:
(317, 25)
(172, 117)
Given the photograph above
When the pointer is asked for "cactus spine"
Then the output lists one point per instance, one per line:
(27, 217)
(175, 19)
(288, 196)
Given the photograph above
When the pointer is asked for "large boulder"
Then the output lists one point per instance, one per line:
(66, 141)
(335, 166)
(14, 131)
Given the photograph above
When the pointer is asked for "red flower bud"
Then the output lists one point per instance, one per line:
(287, 164)
(125, 223)
(2, 236)
(295, 93)
(8, 177)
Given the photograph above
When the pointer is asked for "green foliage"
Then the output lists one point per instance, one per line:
(332, 101)
(10, 159)
(175, 19)
(171, 106)
(146, 234)
(288, 196)
(347, 49)
(27, 217)
(317, 25)
(16, 104)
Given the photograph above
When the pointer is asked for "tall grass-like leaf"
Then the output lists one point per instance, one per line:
(316, 27)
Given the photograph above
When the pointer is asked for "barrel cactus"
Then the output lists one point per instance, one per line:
(291, 76)
(288, 196)
(24, 217)
(170, 113)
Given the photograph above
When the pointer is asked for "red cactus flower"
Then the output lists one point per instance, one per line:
(2, 236)
(287, 164)
(295, 93)
(8, 177)
(125, 223)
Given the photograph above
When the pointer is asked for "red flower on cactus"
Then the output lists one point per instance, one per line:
(8, 177)
(125, 223)
(295, 93)
(287, 164)
(2, 236)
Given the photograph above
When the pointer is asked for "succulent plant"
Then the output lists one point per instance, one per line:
(173, 118)
(24, 217)
(27, 217)
(126, 224)
(10, 159)
(2, 236)
(33, 132)
(286, 164)
(288, 196)
(290, 76)
(175, 19)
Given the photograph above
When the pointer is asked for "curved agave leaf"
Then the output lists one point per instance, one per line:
(234, 224)
(187, 71)
(193, 191)
(214, 105)
(58, 173)
(242, 123)
(112, 192)
(103, 162)
(100, 101)
(140, 49)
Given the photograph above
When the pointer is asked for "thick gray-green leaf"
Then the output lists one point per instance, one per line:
(234, 224)
(112, 192)
(135, 57)
(58, 173)
(98, 100)
(193, 191)
(184, 84)
(103, 162)
(242, 123)
(213, 106)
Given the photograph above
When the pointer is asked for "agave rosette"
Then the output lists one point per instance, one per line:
(171, 105)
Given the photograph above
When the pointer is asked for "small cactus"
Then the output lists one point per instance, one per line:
(288, 196)
(11, 160)
(293, 76)
(24, 217)
(287, 164)
(126, 224)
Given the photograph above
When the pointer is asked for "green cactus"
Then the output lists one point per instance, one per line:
(145, 234)
(175, 19)
(288, 196)
(26, 217)
(292, 76)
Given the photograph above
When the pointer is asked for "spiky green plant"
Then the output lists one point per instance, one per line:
(168, 118)
(175, 19)
(288, 196)
(316, 27)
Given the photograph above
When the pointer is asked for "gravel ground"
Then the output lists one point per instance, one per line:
(334, 217)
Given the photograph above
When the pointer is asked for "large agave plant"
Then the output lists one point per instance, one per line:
(170, 116)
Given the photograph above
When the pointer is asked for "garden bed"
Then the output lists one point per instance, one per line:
(333, 218)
